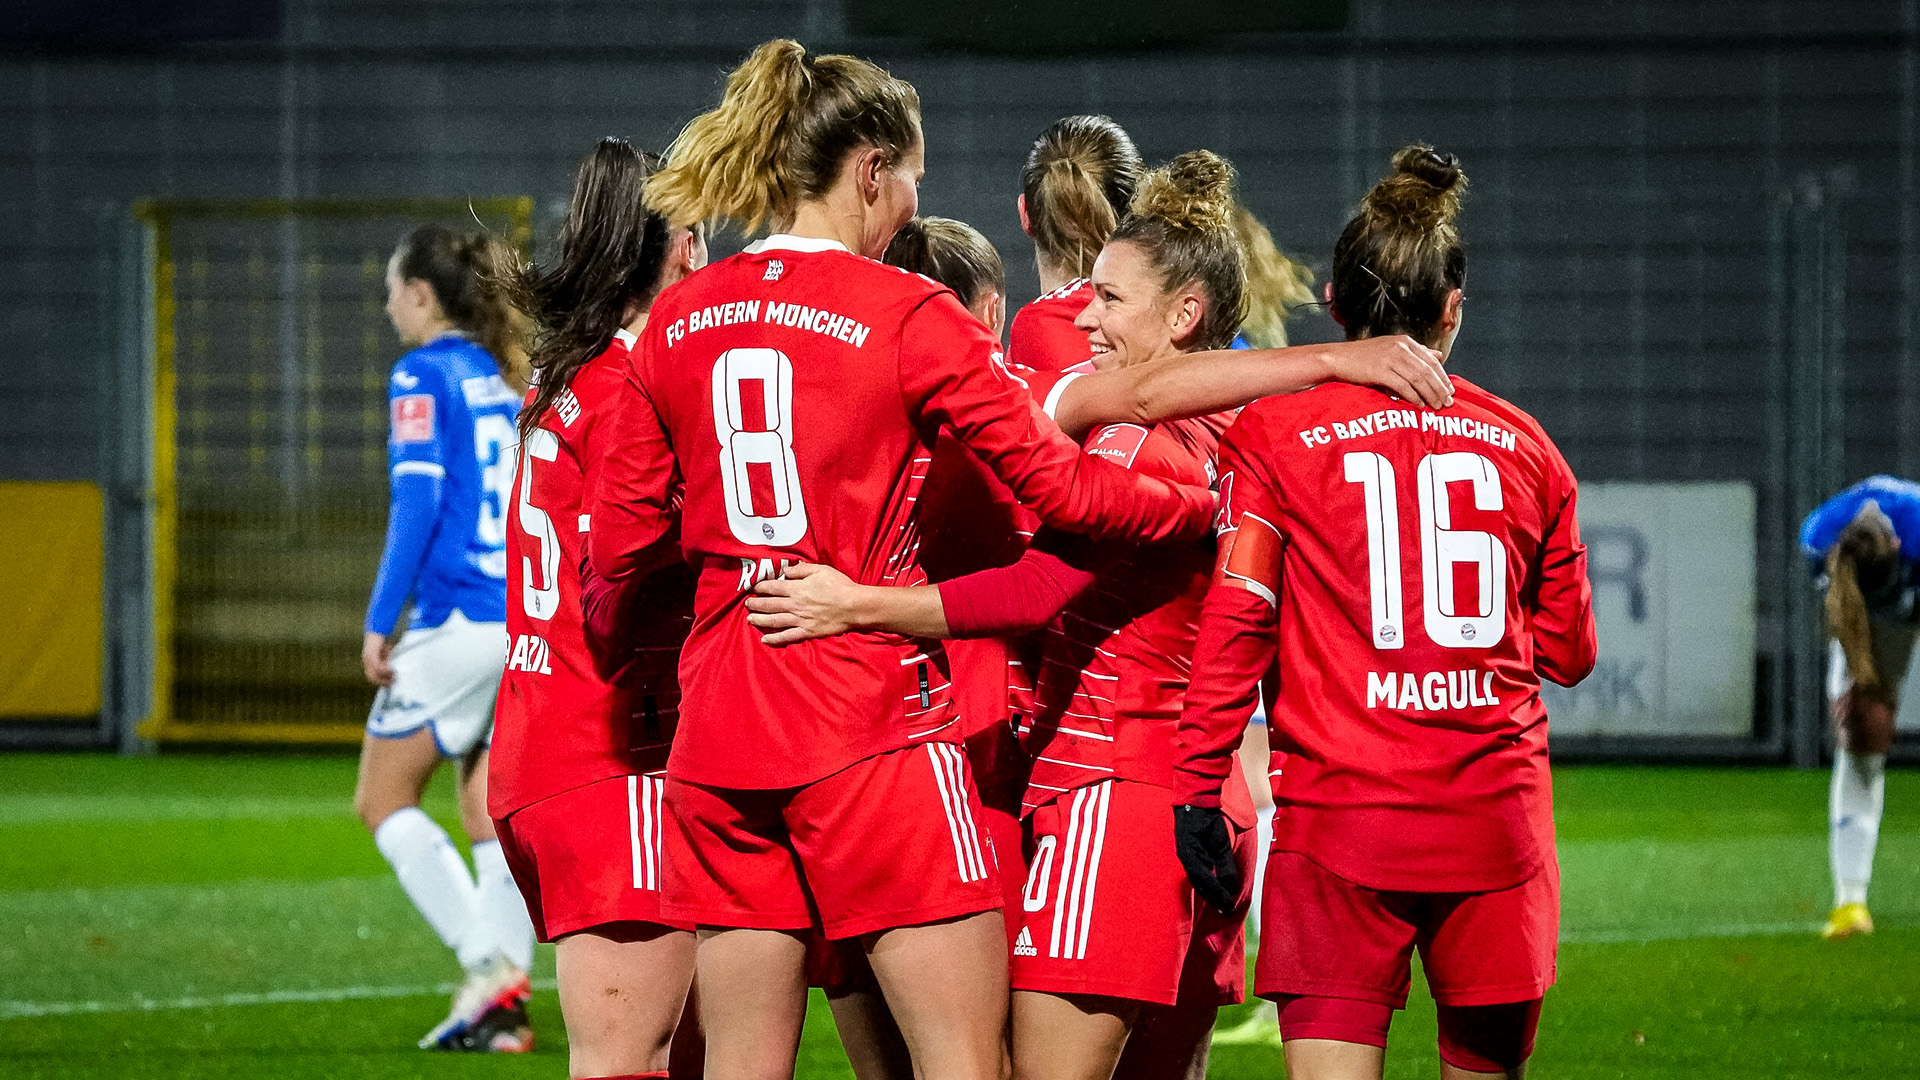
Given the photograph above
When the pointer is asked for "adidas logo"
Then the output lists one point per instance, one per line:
(1023, 945)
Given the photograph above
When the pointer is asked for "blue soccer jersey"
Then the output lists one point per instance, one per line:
(450, 450)
(1898, 499)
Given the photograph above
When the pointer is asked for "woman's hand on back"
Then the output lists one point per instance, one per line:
(1397, 364)
(808, 601)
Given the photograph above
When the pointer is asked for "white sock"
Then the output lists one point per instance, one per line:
(1263, 840)
(437, 882)
(1853, 809)
(503, 911)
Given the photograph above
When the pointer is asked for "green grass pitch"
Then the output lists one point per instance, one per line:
(216, 916)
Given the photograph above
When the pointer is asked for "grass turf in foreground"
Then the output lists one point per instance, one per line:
(1690, 900)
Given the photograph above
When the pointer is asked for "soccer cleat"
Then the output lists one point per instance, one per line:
(1260, 1028)
(502, 1029)
(499, 987)
(1846, 921)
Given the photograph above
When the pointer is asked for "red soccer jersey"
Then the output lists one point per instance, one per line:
(800, 390)
(558, 724)
(1114, 664)
(1422, 570)
(1043, 336)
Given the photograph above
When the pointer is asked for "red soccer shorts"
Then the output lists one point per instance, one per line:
(1324, 936)
(890, 841)
(590, 856)
(1107, 909)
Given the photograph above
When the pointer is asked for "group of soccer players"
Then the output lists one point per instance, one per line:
(845, 648)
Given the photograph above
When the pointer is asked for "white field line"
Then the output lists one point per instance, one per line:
(14, 1010)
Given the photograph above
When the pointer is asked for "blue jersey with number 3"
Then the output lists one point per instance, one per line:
(450, 452)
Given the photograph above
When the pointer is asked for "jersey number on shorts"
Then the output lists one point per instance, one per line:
(753, 418)
(540, 601)
(1442, 550)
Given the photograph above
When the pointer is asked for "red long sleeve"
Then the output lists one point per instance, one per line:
(1238, 627)
(1564, 640)
(633, 489)
(1010, 600)
(1043, 468)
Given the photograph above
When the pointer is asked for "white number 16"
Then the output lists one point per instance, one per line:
(1442, 548)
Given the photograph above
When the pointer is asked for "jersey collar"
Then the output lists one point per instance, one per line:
(790, 242)
(625, 337)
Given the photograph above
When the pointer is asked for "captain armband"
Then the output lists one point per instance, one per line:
(1250, 557)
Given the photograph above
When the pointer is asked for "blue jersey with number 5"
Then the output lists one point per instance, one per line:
(450, 452)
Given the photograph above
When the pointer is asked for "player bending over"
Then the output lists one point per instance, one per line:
(1419, 572)
(1864, 544)
(451, 453)
(579, 751)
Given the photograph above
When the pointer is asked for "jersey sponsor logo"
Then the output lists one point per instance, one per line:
(1118, 443)
(1023, 945)
(1432, 691)
(531, 653)
(774, 269)
(413, 418)
(484, 390)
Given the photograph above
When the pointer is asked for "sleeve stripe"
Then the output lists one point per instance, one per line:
(419, 468)
(1052, 404)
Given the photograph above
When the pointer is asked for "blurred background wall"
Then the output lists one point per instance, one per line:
(1692, 226)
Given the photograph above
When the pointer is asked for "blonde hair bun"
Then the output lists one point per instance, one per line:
(1193, 191)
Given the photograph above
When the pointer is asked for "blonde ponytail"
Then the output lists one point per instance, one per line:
(1276, 285)
(785, 122)
(1080, 175)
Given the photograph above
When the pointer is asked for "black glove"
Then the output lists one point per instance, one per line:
(1205, 847)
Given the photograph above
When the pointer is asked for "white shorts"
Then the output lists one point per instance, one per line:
(444, 679)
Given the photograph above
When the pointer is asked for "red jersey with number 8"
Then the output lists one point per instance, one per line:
(800, 389)
(559, 723)
(1423, 570)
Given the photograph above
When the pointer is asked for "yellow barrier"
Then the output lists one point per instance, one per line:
(269, 361)
(50, 598)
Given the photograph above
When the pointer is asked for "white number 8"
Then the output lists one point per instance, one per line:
(762, 379)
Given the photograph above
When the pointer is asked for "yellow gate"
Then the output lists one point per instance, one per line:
(269, 357)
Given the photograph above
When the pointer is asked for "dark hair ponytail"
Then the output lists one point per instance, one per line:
(1401, 255)
(611, 251)
(465, 273)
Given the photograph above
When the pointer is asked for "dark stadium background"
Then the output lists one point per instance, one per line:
(1695, 239)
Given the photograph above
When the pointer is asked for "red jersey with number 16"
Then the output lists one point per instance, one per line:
(558, 723)
(801, 389)
(1422, 570)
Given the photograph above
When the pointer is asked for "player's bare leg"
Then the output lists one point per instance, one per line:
(623, 990)
(1069, 1036)
(1330, 1059)
(946, 984)
(471, 788)
(393, 773)
(1168, 1044)
(875, 1048)
(753, 1001)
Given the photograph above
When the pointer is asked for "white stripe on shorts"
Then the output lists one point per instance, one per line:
(646, 828)
(1079, 872)
(949, 774)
